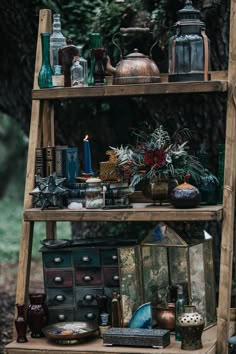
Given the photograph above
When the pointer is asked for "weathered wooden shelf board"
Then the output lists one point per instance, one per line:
(139, 212)
(95, 346)
(131, 90)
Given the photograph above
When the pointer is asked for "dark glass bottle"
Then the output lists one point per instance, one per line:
(66, 55)
(95, 42)
(45, 73)
(37, 315)
(99, 70)
(116, 311)
(21, 324)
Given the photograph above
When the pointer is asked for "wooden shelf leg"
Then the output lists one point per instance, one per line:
(226, 261)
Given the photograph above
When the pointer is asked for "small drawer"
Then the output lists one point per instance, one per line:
(60, 297)
(109, 256)
(86, 257)
(57, 259)
(87, 296)
(86, 313)
(62, 315)
(58, 278)
(89, 276)
(111, 276)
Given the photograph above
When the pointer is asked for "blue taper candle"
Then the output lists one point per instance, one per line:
(87, 157)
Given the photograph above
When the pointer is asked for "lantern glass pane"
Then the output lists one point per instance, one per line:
(202, 280)
(163, 235)
(130, 281)
(178, 267)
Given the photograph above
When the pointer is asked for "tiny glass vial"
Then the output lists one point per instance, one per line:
(84, 63)
(104, 323)
(93, 194)
(77, 73)
(58, 77)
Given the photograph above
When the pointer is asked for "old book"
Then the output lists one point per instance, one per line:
(59, 160)
(71, 164)
(49, 160)
(39, 162)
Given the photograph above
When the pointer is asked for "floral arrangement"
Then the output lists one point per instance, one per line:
(156, 155)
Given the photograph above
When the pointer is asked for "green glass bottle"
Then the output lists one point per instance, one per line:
(45, 73)
(95, 42)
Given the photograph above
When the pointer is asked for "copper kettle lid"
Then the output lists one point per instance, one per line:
(135, 55)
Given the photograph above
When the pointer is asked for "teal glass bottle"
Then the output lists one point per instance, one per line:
(95, 42)
(45, 73)
(208, 183)
(179, 310)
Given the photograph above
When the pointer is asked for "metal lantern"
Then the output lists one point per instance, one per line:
(169, 260)
(189, 53)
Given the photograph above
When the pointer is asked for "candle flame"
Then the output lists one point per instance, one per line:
(86, 137)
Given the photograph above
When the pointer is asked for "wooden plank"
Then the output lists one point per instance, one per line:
(95, 346)
(27, 227)
(48, 123)
(138, 213)
(131, 90)
(229, 196)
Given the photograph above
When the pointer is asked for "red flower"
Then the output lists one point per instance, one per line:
(155, 158)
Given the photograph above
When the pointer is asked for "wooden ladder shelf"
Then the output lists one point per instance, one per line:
(42, 133)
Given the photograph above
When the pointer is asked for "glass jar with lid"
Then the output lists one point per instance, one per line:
(93, 194)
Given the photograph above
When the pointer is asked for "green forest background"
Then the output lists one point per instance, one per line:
(18, 26)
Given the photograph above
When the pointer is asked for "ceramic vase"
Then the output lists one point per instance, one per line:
(21, 324)
(191, 325)
(37, 315)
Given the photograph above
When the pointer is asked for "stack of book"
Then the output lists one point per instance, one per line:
(115, 193)
(63, 160)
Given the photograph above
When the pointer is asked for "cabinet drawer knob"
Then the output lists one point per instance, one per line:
(60, 298)
(58, 260)
(58, 280)
(61, 317)
(86, 259)
(115, 277)
(90, 316)
(88, 297)
(87, 278)
(114, 257)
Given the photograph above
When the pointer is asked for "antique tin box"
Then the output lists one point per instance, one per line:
(137, 337)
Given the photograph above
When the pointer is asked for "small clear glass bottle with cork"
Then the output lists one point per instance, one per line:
(84, 64)
(58, 77)
(57, 40)
(77, 73)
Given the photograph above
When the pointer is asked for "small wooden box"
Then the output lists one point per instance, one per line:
(137, 337)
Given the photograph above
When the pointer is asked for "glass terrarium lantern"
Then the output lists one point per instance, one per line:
(189, 52)
(170, 260)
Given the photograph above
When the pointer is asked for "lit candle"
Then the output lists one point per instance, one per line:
(87, 157)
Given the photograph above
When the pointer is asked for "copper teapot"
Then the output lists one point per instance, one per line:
(135, 68)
